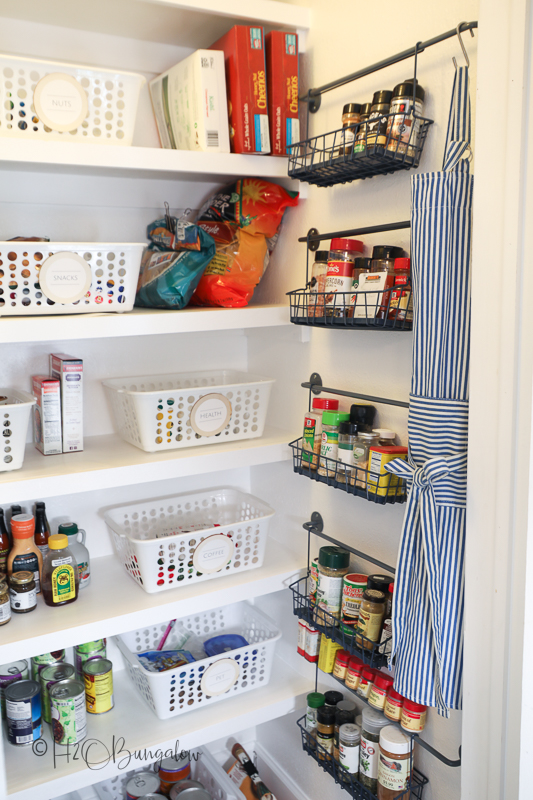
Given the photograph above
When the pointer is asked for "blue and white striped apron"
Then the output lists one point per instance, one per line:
(427, 623)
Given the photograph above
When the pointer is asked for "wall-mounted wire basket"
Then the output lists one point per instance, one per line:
(391, 309)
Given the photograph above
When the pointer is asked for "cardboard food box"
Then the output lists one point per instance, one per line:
(190, 104)
(246, 85)
(370, 297)
(47, 415)
(68, 370)
(282, 85)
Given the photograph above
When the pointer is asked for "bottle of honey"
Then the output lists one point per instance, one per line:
(60, 573)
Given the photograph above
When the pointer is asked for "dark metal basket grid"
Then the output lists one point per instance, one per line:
(337, 310)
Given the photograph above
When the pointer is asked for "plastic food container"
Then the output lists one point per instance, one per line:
(166, 412)
(212, 679)
(67, 102)
(15, 409)
(176, 541)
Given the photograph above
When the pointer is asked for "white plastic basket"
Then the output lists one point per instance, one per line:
(15, 415)
(204, 768)
(109, 109)
(113, 269)
(212, 679)
(154, 412)
(176, 541)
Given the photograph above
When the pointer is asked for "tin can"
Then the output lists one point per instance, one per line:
(86, 652)
(173, 769)
(191, 793)
(153, 796)
(23, 711)
(353, 586)
(45, 660)
(98, 679)
(182, 786)
(313, 579)
(11, 673)
(69, 718)
(141, 784)
(48, 677)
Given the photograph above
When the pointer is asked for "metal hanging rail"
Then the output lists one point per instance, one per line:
(313, 95)
(314, 384)
(313, 236)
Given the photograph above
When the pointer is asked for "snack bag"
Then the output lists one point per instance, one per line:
(244, 220)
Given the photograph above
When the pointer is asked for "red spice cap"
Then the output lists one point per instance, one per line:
(354, 245)
(392, 694)
(368, 674)
(402, 263)
(383, 681)
(326, 403)
(415, 707)
(355, 664)
(342, 656)
(393, 449)
(391, 588)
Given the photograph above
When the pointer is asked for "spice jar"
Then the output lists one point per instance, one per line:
(401, 303)
(380, 582)
(360, 138)
(366, 682)
(393, 705)
(339, 276)
(351, 116)
(413, 717)
(333, 698)
(371, 616)
(22, 592)
(360, 267)
(325, 723)
(315, 700)
(5, 604)
(340, 668)
(311, 644)
(353, 674)
(317, 284)
(313, 579)
(353, 587)
(387, 437)
(361, 455)
(385, 642)
(349, 741)
(344, 712)
(403, 127)
(377, 120)
(394, 766)
(378, 693)
(383, 258)
(329, 448)
(371, 725)
(312, 438)
(347, 436)
(333, 565)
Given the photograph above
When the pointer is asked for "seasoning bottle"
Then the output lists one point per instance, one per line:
(302, 629)
(78, 550)
(377, 120)
(353, 587)
(387, 438)
(393, 705)
(42, 528)
(5, 544)
(329, 448)
(60, 576)
(353, 674)
(371, 616)
(325, 724)
(312, 438)
(378, 693)
(311, 643)
(351, 116)
(313, 579)
(413, 717)
(5, 604)
(333, 698)
(380, 582)
(360, 137)
(344, 712)
(349, 741)
(347, 436)
(385, 642)
(22, 592)
(371, 725)
(383, 258)
(366, 682)
(333, 565)
(315, 700)
(403, 127)
(360, 267)
(394, 766)
(339, 276)
(401, 303)
(363, 415)
(340, 666)
(317, 284)
(361, 454)
(24, 555)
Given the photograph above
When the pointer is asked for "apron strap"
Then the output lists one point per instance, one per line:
(459, 130)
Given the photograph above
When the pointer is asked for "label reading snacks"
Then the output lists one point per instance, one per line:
(210, 414)
(60, 102)
(65, 277)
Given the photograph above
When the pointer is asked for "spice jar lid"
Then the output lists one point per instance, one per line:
(355, 577)
(334, 418)
(403, 263)
(346, 706)
(334, 558)
(352, 108)
(409, 705)
(368, 674)
(384, 433)
(326, 715)
(348, 428)
(374, 721)
(321, 255)
(367, 435)
(22, 526)
(21, 577)
(69, 528)
(383, 97)
(362, 263)
(355, 664)
(333, 697)
(353, 245)
(386, 252)
(326, 403)
(380, 582)
(350, 732)
(366, 108)
(383, 681)
(394, 741)
(58, 541)
(392, 694)
(342, 657)
(315, 700)
(374, 596)
(405, 89)
(391, 588)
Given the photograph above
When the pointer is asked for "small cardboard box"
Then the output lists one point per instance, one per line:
(68, 370)
(282, 83)
(47, 415)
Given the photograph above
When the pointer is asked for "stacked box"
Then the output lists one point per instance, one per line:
(47, 415)
(68, 370)
(246, 85)
(282, 84)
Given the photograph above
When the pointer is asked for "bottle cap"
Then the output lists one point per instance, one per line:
(342, 656)
(347, 706)
(367, 435)
(384, 433)
(386, 252)
(334, 558)
(394, 741)
(405, 89)
(368, 674)
(39, 504)
(348, 428)
(402, 263)
(409, 705)
(326, 715)
(373, 595)
(383, 681)
(374, 721)
(333, 697)
(326, 403)
(391, 588)
(349, 732)
(382, 97)
(380, 582)
(355, 664)
(352, 108)
(21, 577)
(366, 108)
(334, 418)
(58, 541)
(69, 528)
(353, 245)
(322, 255)
(392, 694)
(22, 526)
(315, 700)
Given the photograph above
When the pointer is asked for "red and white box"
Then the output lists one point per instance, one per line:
(246, 85)
(47, 415)
(68, 370)
(282, 84)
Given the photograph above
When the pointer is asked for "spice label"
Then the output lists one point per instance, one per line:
(349, 757)
(370, 294)
(210, 414)
(413, 722)
(330, 446)
(345, 454)
(311, 642)
(302, 631)
(339, 278)
(368, 761)
(60, 102)
(328, 593)
(220, 677)
(22, 600)
(63, 583)
(392, 709)
(308, 445)
(369, 624)
(352, 595)
(29, 563)
(393, 773)
(65, 277)
(213, 554)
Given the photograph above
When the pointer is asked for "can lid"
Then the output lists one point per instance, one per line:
(348, 428)
(97, 666)
(385, 433)
(393, 740)
(22, 577)
(69, 528)
(21, 690)
(409, 705)
(173, 763)
(350, 732)
(383, 97)
(58, 541)
(57, 671)
(64, 690)
(321, 255)
(353, 245)
(405, 89)
(315, 700)
(373, 721)
(355, 577)
(334, 558)
(366, 108)
(387, 252)
(402, 263)
(333, 697)
(352, 108)
(22, 526)
(374, 596)
(383, 681)
(182, 786)
(327, 403)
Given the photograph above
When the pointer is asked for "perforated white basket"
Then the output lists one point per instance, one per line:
(212, 679)
(204, 768)
(176, 541)
(113, 267)
(108, 112)
(155, 412)
(15, 415)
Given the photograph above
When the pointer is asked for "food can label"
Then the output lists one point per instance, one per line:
(393, 773)
(82, 658)
(24, 720)
(349, 758)
(10, 673)
(91, 647)
(38, 663)
(352, 594)
(69, 719)
(63, 582)
(99, 693)
(368, 761)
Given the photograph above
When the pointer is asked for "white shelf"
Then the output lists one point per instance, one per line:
(194, 24)
(30, 777)
(113, 603)
(109, 461)
(139, 322)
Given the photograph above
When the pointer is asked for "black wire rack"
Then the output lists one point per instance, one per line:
(390, 309)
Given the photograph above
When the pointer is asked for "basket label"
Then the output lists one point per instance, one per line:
(210, 414)
(213, 553)
(60, 102)
(65, 277)
(220, 677)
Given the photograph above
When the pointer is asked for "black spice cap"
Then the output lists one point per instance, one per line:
(348, 428)
(352, 108)
(322, 255)
(383, 97)
(405, 89)
(366, 108)
(386, 251)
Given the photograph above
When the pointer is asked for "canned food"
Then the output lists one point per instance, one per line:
(23, 711)
(98, 679)
(192, 793)
(48, 677)
(141, 784)
(180, 787)
(11, 673)
(45, 660)
(86, 652)
(153, 796)
(69, 718)
(175, 768)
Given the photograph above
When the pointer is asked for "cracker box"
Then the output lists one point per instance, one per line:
(47, 415)
(190, 104)
(246, 85)
(282, 85)
(68, 370)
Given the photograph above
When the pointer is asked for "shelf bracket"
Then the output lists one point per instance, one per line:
(435, 753)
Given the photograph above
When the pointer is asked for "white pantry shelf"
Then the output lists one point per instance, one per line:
(113, 603)
(139, 322)
(109, 461)
(30, 776)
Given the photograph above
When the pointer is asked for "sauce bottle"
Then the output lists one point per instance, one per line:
(60, 573)
(5, 544)
(25, 555)
(42, 528)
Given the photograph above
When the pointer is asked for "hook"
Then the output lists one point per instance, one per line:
(458, 31)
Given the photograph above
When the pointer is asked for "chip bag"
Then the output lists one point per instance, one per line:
(244, 221)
